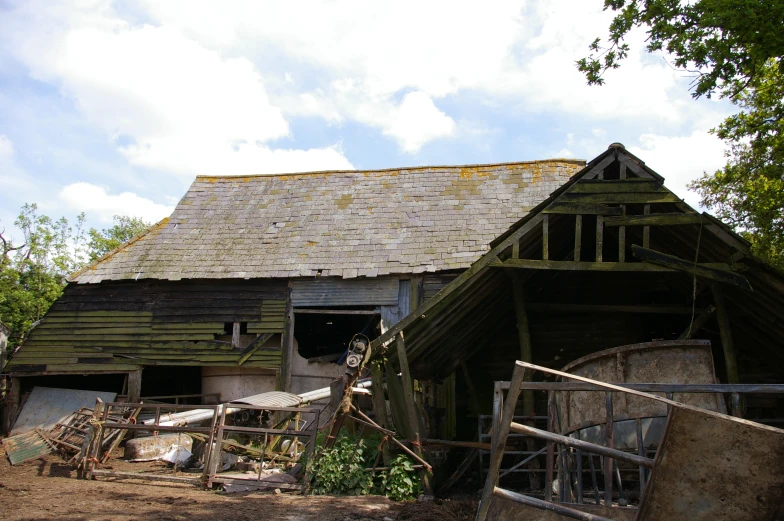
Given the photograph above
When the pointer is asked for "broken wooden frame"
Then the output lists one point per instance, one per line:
(272, 437)
(767, 441)
(101, 421)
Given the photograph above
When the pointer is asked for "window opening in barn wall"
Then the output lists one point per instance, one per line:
(323, 334)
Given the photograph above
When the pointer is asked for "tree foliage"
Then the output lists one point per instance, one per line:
(33, 274)
(125, 228)
(735, 48)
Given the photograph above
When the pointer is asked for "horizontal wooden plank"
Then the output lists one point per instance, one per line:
(576, 266)
(631, 185)
(82, 368)
(660, 219)
(140, 337)
(719, 273)
(569, 208)
(622, 198)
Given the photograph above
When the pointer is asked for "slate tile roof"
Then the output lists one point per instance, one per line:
(344, 224)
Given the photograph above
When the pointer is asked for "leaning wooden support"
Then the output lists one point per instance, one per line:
(726, 275)
(499, 442)
(546, 505)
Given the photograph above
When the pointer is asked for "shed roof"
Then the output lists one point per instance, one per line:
(346, 224)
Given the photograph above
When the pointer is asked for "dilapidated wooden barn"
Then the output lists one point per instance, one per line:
(258, 283)
(611, 258)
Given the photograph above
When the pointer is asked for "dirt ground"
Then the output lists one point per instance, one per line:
(47, 489)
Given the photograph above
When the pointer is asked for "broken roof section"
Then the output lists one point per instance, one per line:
(345, 224)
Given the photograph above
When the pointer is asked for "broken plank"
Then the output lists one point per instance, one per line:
(723, 274)
(254, 346)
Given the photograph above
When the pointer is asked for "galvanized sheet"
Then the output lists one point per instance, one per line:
(48, 406)
(272, 399)
(345, 292)
(712, 467)
(24, 447)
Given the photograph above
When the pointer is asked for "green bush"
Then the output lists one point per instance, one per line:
(343, 470)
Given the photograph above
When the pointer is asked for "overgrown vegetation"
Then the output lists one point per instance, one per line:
(344, 470)
(33, 274)
(733, 48)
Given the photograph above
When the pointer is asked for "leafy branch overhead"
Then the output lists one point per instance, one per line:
(33, 273)
(736, 50)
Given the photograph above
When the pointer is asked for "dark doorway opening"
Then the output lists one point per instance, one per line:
(327, 335)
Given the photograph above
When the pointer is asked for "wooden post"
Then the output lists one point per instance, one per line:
(526, 355)
(578, 236)
(622, 239)
(380, 405)
(725, 329)
(473, 402)
(12, 404)
(135, 385)
(599, 237)
(646, 230)
(545, 237)
(413, 421)
(235, 335)
(287, 345)
(500, 435)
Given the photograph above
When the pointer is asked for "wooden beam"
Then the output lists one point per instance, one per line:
(251, 348)
(235, 335)
(11, 409)
(413, 420)
(578, 236)
(725, 329)
(303, 311)
(725, 274)
(622, 171)
(599, 237)
(621, 238)
(134, 385)
(380, 405)
(598, 169)
(546, 307)
(287, 344)
(576, 266)
(545, 237)
(646, 231)
(635, 185)
(473, 401)
(569, 208)
(620, 198)
(526, 354)
(658, 219)
(634, 167)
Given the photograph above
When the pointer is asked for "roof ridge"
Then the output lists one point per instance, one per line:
(397, 169)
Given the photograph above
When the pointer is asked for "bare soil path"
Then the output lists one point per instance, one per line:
(47, 489)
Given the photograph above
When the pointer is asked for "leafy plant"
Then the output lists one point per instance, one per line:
(344, 470)
(400, 484)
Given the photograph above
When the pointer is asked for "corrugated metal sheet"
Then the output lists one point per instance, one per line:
(345, 292)
(26, 446)
(272, 399)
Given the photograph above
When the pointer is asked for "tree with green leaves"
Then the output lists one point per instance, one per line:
(33, 274)
(735, 48)
(125, 228)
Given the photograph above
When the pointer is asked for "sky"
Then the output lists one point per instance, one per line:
(112, 108)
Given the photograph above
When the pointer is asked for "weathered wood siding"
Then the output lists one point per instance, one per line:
(119, 326)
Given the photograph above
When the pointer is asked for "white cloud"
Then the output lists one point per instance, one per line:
(418, 121)
(564, 152)
(97, 202)
(166, 101)
(6, 147)
(682, 159)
